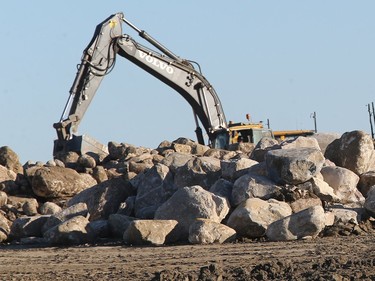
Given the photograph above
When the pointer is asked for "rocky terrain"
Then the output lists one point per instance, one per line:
(301, 209)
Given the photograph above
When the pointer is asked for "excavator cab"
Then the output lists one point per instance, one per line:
(248, 132)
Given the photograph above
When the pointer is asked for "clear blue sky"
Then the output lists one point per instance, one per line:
(277, 60)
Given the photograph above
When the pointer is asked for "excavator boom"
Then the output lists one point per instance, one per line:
(98, 60)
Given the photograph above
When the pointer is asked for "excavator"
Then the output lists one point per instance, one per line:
(99, 59)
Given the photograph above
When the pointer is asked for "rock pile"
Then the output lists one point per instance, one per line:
(184, 192)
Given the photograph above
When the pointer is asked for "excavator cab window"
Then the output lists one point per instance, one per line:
(221, 140)
(252, 135)
(258, 134)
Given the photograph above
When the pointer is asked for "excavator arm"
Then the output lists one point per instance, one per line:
(99, 59)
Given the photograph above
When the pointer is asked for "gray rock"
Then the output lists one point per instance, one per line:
(306, 223)
(74, 231)
(204, 231)
(344, 183)
(118, 223)
(220, 153)
(139, 167)
(252, 217)
(54, 182)
(7, 178)
(153, 189)
(344, 215)
(265, 144)
(244, 147)
(223, 188)
(49, 208)
(353, 150)
(86, 161)
(30, 207)
(27, 226)
(176, 160)
(294, 165)
(99, 174)
(195, 148)
(189, 203)
(148, 232)
(10, 160)
(304, 203)
(100, 228)
(181, 148)
(203, 171)
(105, 198)
(116, 150)
(300, 142)
(69, 159)
(253, 186)
(79, 209)
(233, 169)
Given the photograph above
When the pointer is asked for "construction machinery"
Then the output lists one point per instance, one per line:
(98, 60)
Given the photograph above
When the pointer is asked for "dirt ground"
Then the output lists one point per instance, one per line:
(328, 258)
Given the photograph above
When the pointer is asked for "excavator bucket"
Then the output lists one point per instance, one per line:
(80, 144)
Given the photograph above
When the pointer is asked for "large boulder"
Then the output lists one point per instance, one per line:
(189, 203)
(176, 160)
(223, 188)
(203, 171)
(253, 186)
(252, 217)
(300, 142)
(265, 144)
(196, 148)
(306, 223)
(344, 183)
(148, 232)
(294, 165)
(79, 209)
(353, 151)
(118, 223)
(235, 168)
(74, 231)
(49, 208)
(204, 231)
(55, 182)
(10, 160)
(153, 189)
(27, 226)
(105, 198)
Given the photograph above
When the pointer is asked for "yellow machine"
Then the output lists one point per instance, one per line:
(253, 132)
(247, 132)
